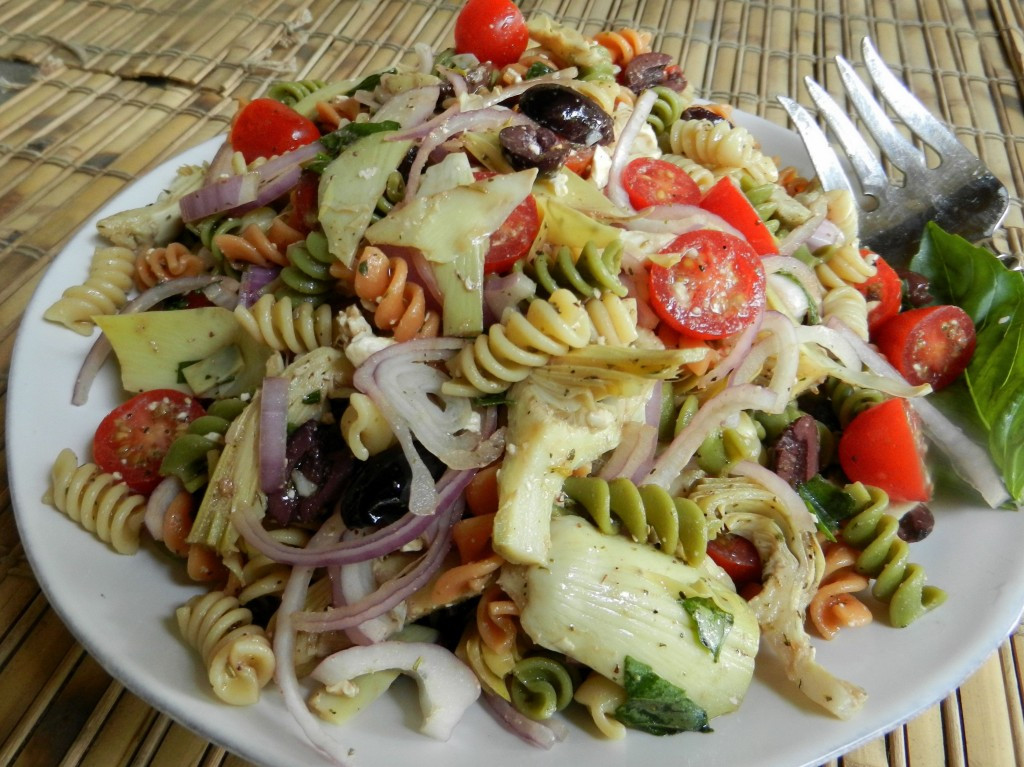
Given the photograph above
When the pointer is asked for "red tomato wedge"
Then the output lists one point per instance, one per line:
(304, 198)
(726, 200)
(714, 290)
(265, 127)
(649, 182)
(492, 30)
(884, 291)
(737, 556)
(513, 239)
(883, 447)
(931, 345)
(133, 438)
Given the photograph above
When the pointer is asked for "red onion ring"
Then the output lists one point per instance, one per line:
(541, 734)
(273, 433)
(158, 503)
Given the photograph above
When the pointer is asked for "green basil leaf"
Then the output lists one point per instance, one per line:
(713, 623)
(656, 706)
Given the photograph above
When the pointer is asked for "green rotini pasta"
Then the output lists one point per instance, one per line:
(394, 191)
(665, 111)
(192, 455)
(595, 271)
(848, 400)
(308, 276)
(677, 525)
(291, 92)
(540, 687)
(884, 557)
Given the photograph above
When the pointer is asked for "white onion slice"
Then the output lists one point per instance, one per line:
(799, 271)
(780, 343)
(641, 111)
(971, 461)
(709, 417)
(158, 503)
(447, 687)
(273, 433)
(541, 734)
(798, 236)
(679, 219)
(799, 515)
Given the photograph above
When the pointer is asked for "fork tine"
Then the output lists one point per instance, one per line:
(891, 142)
(906, 105)
(826, 162)
(862, 158)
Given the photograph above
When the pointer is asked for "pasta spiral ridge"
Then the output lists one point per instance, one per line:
(703, 177)
(849, 306)
(98, 501)
(648, 512)
(594, 272)
(287, 326)
(834, 605)
(261, 576)
(364, 428)
(250, 245)
(399, 305)
(394, 192)
(844, 265)
(236, 652)
(540, 686)
(156, 265)
(104, 291)
(308, 273)
(666, 111)
(509, 350)
(624, 44)
(884, 557)
(613, 319)
(720, 144)
(290, 92)
(849, 401)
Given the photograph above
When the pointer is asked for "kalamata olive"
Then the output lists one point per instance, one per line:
(316, 452)
(568, 113)
(916, 288)
(377, 492)
(916, 524)
(645, 71)
(698, 112)
(533, 146)
(795, 453)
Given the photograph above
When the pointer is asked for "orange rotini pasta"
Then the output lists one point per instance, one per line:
(834, 606)
(252, 245)
(156, 265)
(624, 44)
(398, 305)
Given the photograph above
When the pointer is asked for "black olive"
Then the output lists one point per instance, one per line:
(916, 524)
(316, 451)
(533, 146)
(568, 113)
(698, 112)
(645, 71)
(377, 491)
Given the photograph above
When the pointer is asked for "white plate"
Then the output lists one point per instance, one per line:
(121, 608)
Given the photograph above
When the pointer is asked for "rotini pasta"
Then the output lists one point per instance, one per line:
(399, 306)
(156, 265)
(844, 265)
(835, 606)
(593, 272)
(848, 305)
(602, 697)
(720, 144)
(308, 275)
(540, 686)
(364, 429)
(104, 291)
(624, 44)
(97, 501)
(649, 513)
(193, 454)
(613, 319)
(287, 326)
(236, 653)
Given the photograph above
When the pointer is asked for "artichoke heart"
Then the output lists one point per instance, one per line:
(599, 598)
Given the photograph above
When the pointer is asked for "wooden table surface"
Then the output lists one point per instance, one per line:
(95, 92)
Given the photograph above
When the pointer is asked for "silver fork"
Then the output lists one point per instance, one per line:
(960, 194)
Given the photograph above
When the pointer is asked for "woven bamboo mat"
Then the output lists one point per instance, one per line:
(120, 86)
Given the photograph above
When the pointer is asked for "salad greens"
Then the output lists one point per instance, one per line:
(656, 706)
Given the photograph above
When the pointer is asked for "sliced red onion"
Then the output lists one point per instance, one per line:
(971, 461)
(147, 300)
(826, 235)
(447, 686)
(641, 111)
(477, 119)
(222, 195)
(498, 95)
(283, 162)
(271, 190)
(220, 165)
(223, 293)
(456, 80)
(425, 57)
(780, 343)
(743, 342)
(158, 503)
(799, 515)
(407, 390)
(292, 601)
(254, 283)
(273, 433)
(678, 219)
(354, 582)
(709, 417)
(541, 734)
(635, 450)
(505, 291)
(410, 108)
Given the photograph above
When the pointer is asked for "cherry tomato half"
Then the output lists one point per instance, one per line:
(649, 181)
(884, 293)
(133, 438)
(727, 201)
(737, 556)
(930, 345)
(883, 447)
(714, 290)
(304, 199)
(514, 237)
(265, 127)
(492, 30)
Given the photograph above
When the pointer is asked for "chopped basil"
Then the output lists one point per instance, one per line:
(312, 398)
(829, 504)
(656, 706)
(713, 623)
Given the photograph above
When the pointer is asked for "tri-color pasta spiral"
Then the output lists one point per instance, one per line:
(649, 513)
(287, 326)
(613, 319)
(257, 245)
(104, 291)
(98, 501)
(593, 272)
(509, 350)
(624, 44)
(602, 697)
(884, 557)
(160, 264)
(291, 92)
(844, 265)
(848, 401)
(536, 61)
(540, 686)
(667, 109)
(720, 144)
(261, 576)
(308, 275)
(834, 605)
(399, 305)
(237, 655)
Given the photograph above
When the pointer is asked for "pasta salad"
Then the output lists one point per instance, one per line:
(521, 371)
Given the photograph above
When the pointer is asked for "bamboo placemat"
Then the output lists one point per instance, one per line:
(121, 86)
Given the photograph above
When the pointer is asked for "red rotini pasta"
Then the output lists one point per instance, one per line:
(624, 44)
(398, 305)
(156, 265)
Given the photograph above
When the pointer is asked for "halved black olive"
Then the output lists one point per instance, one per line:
(377, 491)
(568, 113)
(533, 146)
(645, 71)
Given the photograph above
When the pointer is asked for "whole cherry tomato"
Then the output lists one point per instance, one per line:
(492, 30)
(265, 128)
